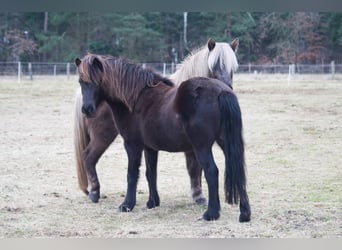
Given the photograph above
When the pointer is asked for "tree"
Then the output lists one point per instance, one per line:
(170, 26)
(137, 40)
(334, 35)
(17, 43)
(265, 37)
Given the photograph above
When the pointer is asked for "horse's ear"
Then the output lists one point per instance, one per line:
(97, 63)
(211, 44)
(77, 62)
(235, 44)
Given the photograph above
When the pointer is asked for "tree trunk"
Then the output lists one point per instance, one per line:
(185, 37)
(46, 20)
(229, 27)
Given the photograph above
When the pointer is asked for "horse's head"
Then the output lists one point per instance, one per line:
(90, 69)
(222, 60)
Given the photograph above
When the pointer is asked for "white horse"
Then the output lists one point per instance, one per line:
(92, 136)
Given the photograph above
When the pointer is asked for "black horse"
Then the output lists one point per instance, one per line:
(153, 114)
(93, 135)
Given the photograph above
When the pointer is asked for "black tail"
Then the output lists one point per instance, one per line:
(235, 177)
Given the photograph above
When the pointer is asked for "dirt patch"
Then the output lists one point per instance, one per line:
(293, 139)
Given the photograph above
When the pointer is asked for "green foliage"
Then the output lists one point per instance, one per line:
(137, 40)
(265, 37)
(335, 28)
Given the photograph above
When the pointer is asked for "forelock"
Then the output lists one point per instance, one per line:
(225, 56)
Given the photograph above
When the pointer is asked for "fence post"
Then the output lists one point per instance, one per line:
(30, 70)
(68, 70)
(54, 70)
(291, 72)
(332, 69)
(19, 71)
(164, 69)
(289, 76)
(172, 68)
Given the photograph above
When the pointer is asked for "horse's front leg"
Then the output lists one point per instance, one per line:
(195, 173)
(91, 155)
(151, 158)
(99, 142)
(90, 158)
(134, 152)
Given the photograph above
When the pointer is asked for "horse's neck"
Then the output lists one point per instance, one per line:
(194, 66)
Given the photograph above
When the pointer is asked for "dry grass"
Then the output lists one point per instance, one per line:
(293, 140)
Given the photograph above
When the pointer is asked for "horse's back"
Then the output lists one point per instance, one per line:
(199, 94)
(210, 85)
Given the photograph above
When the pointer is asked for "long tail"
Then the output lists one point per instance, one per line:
(235, 177)
(81, 140)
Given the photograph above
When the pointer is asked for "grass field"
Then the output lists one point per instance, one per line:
(293, 136)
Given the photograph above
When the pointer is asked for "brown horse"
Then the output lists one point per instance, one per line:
(93, 135)
(152, 114)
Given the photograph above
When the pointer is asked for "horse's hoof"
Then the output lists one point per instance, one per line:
(201, 201)
(125, 208)
(245, 217)
(94, 196)
(211, 215)
(152, 204)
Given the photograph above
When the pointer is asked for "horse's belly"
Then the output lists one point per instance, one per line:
(175, 147)
(170, 140)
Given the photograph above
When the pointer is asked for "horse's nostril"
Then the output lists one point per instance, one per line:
(84, 110)
(88, 110)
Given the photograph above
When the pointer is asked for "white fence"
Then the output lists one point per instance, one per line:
(28, 70)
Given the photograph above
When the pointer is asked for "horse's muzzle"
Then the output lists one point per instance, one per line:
(89, 110)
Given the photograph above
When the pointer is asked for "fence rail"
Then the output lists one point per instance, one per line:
(27, 70)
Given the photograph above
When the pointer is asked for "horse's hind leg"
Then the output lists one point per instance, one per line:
(205, 158)
(195, 173)
(245, 210)
(151, 158)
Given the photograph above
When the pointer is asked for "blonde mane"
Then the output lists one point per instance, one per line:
(201, 62)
